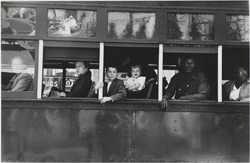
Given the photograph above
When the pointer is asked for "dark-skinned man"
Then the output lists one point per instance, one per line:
(188, 84)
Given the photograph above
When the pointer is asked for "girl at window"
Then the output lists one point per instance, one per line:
(136, 82)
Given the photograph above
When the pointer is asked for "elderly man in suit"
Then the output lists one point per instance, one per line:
(21, 81)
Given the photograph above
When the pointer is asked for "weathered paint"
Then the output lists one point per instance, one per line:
(71, 131)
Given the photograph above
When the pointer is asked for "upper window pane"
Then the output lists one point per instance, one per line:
(71, 23)
(237, 27)
(190, 26)
(130, 25)
(18, 21)
(18, 65)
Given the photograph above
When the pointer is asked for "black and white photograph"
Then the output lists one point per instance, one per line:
(125, 81)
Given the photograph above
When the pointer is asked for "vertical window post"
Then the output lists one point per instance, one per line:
(40, 70)
(219, 73)
(160, 67)
(101, 68)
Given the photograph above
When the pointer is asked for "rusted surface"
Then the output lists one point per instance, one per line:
(122, 133)
(191, 137)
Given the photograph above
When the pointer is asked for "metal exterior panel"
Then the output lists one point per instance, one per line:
(191, 137)
(73, 130)
(63, 135)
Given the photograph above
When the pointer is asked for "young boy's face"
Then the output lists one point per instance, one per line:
(112, 73)
(136, 72)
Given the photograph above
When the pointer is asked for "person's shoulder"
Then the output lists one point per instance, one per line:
(199, 75)
(119, 81)
(25, 75)
(177, 76)
(142, 78)
(229, 83)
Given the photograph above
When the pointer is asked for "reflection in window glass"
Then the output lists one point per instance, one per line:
(17, 66)
(130, 25)
(237, 27)
(190, 26)
(18, 21)
(71, 23)
(51, 78)
(54, 78)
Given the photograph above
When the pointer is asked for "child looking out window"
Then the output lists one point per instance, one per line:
(114, 89)
(136, 82)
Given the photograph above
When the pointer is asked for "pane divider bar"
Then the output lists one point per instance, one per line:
(101, 68)
(160, 73)
(40, 70)
(219, 74)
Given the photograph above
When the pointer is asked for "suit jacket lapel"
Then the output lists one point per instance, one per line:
(112, 85)
(105, 89)
(14, 80)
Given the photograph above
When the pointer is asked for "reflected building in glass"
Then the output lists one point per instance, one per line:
(18, 21)
(237, 27)
(71, 23)
(190, 26)
(130, 25)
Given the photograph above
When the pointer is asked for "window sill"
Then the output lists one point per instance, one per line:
(127, 105)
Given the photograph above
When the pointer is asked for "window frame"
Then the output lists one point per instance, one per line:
(188, 11)
(194, 50)
(68, 44)
(228, 42)
(60, 7)
(25, 94)
(132, 10)
(42, 40)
